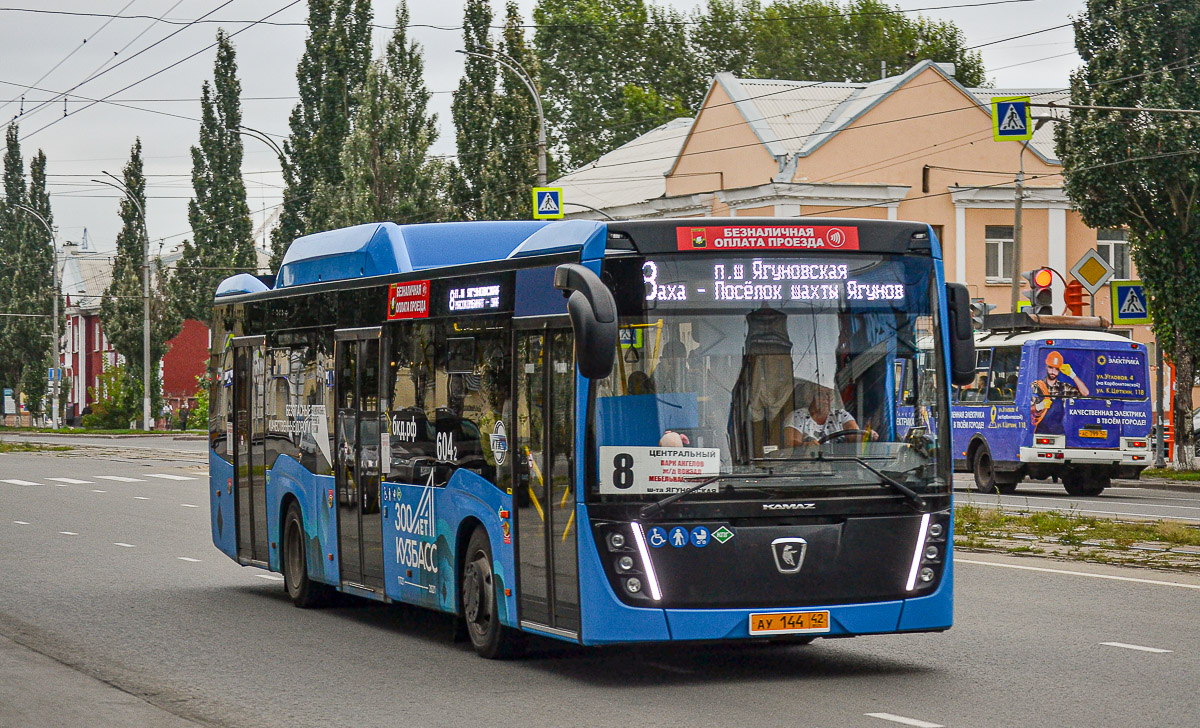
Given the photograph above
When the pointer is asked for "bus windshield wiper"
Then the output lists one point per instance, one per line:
(656, 508)
(884, 479)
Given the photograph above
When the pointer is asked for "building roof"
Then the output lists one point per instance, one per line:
(85, 276)
(631, 173)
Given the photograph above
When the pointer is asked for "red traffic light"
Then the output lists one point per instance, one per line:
(1043, 277)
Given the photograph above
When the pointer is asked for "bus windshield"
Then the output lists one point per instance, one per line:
(775, 376)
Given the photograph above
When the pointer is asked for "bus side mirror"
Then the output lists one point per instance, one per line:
(962, 335)
(593, 313)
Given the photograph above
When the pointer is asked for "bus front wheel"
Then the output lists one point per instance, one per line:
(479, 601)
(304, 592)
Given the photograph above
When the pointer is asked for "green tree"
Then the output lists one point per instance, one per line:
(33, 290)
(220, 218)
(336, 56)
(474, 113)
(13, 223)
(515, 153)
(387, 173)
(722, 37)
(1141, 170)
(121, 307)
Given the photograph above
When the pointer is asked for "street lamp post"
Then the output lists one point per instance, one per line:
(55, 382)
(512, 65)
(147, 422)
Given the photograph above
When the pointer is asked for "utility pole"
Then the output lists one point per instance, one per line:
(1015, 263)
(147, 422)
(57, 372)
(511, 64)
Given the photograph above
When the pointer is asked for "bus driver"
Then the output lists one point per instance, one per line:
(821, 418)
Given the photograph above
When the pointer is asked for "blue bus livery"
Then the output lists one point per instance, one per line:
(598, 432)
(1052, 401)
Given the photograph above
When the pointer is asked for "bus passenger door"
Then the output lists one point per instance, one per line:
(249, 467)
(544, 492)
(356, 462)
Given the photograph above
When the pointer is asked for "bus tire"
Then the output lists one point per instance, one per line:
(479, 598)
(1076, 482)
(304, 592)
(985, 473)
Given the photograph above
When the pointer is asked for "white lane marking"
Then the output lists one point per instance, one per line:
(188, 505)
(184, 558)
(166, 476)
(68, 533)
(120, 479)
(140, 497)
(21, 523)
(14, 481)
(904, 721)
(1078, 573)
(72, 481)
(1135, 647)
(124, 545)
(99, 491)
(272, 577)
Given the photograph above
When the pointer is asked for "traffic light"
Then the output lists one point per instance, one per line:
(1073, 297)
(1040, 295)
(979, 309)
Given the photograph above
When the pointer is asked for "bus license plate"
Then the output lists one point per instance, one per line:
(1102, 434)
(789, 623)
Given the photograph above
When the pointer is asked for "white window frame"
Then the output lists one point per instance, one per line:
(1113, 244)
(1002, 260)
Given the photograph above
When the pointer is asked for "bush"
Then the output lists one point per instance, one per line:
(198, 417)
(118, 401)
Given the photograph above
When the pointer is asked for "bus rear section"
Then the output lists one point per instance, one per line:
(1070, 405)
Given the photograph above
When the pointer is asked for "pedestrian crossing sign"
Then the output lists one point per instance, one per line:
(1012, 119)
(547, 203)
(1129, 303)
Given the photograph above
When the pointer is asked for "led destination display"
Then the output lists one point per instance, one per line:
(769, 281)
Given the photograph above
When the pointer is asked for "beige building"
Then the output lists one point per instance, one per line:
(917, 146)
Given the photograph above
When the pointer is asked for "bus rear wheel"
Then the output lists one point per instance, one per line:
(985, 474)
(479, 601)
(304, 592)
(1083, 483)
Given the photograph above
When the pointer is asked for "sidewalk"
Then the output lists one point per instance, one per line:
(36, 690)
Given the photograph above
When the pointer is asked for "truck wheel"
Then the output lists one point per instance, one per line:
(985, 474)
(1096, 484)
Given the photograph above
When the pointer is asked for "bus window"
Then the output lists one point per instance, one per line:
(1005, 364)
(977, 391)
(410, 384)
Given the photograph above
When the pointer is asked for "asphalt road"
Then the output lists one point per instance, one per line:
(116, 602)
(1126, 500)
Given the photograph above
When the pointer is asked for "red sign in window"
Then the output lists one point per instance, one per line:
(408, 300)
(769, 237)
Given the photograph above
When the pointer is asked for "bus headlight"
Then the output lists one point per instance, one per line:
(625, 563)
(616, 541)
(633, 584)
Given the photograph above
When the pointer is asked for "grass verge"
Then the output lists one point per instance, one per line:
(1170, 474)
(31, 447)
(1068, 535)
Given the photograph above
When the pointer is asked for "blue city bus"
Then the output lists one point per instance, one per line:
(601, 432)
(1053, 397)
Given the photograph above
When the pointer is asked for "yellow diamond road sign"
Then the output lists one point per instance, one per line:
(1093, 271)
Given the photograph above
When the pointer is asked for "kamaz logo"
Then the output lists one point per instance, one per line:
(789, 506)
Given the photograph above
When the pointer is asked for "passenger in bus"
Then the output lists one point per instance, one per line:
(822, 417)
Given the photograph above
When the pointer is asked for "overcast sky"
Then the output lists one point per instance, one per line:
(49, 52)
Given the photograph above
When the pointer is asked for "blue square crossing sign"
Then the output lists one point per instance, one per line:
(1129, 303)
(1011, 119)
(547, 203)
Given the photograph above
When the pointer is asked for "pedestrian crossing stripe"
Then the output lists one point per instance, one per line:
(547, 203)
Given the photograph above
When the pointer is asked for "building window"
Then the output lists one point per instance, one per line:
(1113, 246)
(998, 249)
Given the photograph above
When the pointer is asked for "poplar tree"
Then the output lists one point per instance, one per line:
(121, 307)
(13, 223)
(221, 242)
(474, 111)
(1141, 170)
(386, 168)
(336, 56)
(514, 156)
(33, 290)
